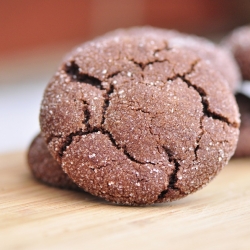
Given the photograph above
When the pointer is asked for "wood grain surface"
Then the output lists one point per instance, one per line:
(35, 216)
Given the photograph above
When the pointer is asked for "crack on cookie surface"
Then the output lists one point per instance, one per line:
(204, 101)
(90, 130)
(73, 70)
(106, 102)
(69, 140)
(166, 47)
(70, 137)
(205, 104)
(206, 113)
(199, 90)
(87, 115)
(124, 150)
(173, 177)
(142, 66)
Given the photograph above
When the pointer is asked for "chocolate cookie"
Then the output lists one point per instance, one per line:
(221, 59)
(45, 168)
(243, 147)
(239, 43)
(136, 121)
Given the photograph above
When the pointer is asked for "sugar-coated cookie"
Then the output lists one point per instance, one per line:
(136, 120)
(218, 56)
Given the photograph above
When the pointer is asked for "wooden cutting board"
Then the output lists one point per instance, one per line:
(35, 216)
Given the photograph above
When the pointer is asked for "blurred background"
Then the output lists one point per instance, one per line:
(36, 34)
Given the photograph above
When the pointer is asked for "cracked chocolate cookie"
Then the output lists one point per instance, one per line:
(134, 120)
(220, 58)
(239, 43)
(45, 168)
(243, 147)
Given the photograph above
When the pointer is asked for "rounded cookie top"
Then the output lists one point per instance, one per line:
(239, 43)
(135, 121)
(218, 56)
(45, 168)
(243, 146)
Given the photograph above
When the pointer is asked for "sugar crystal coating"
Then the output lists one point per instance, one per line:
(218, 56)
(136, 120)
